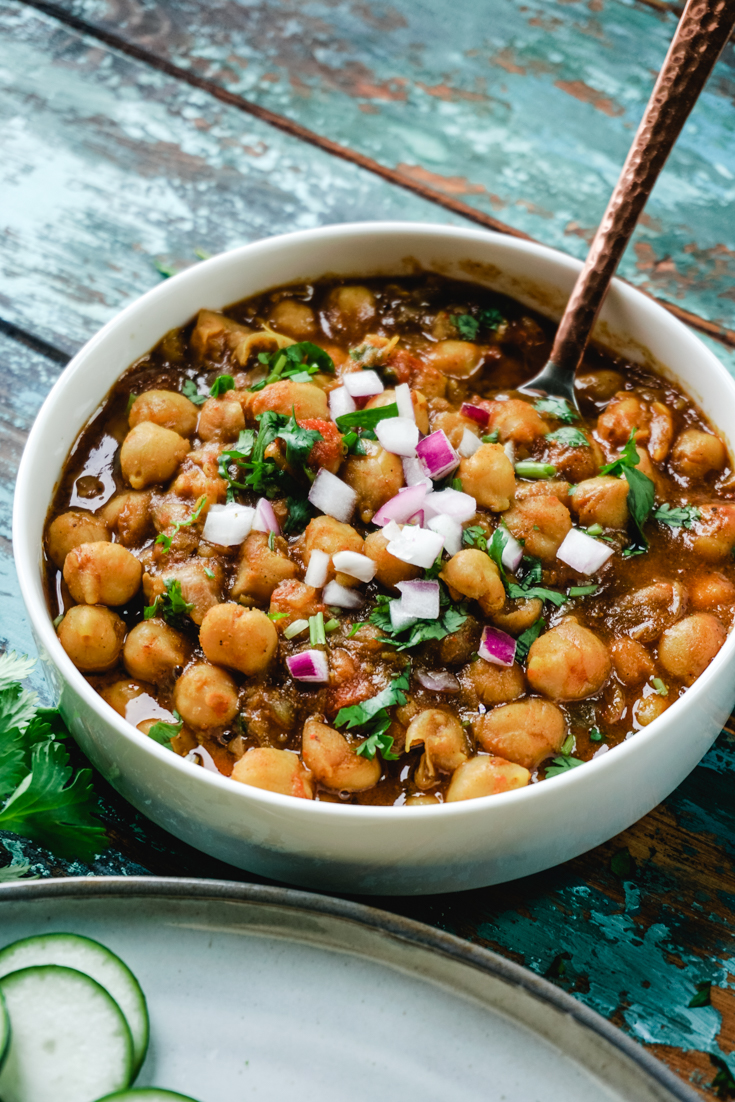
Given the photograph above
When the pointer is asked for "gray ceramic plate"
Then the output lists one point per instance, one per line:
(268, 993)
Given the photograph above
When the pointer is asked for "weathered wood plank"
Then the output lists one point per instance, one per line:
(524, 111)
(108, 165)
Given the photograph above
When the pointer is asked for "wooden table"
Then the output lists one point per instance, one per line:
(136, 132)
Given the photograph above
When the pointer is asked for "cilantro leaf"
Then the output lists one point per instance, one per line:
(52, 806)
(373, 715)
(163, 732)
(300, 512)
(677, 516)
(296, 360)
(170, 605)
(702, 997)
(16, 871)
(475, 537)
(595, 734)
(221, 385)
(467, 326)
(450, 620)
(189, 390)
(299, 441)
(166, 541)
(641, 490)
(627, 459)
(17, 707)
(14, 667)
(558, 408)
(490, 317)
(529, 587)
(569, 436)
(379, 740)
(366, 418)
(530, 635)
(238, 456)
(562, 765)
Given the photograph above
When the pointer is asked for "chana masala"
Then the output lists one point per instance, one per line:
(321, 544)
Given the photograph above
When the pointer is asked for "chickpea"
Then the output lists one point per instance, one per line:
(574, 463)
(516, 421)
(709, 590)
(488, 684)
(457, 648)
(662, 432)
(453, 425)
(330, 535)
(390, 570)
(102, 574)
(488, 476)
(350, 309)
(456, 359)
(696, 453)
(72, 529)
(444, 742)
(626, 412)
(121, 694)
(687, 647)
(333, 761)
(644, 613)
(375, 477)
(473, 574)
(526, 732)
(631, 661)
(128, 514)
(602, 500)
(294, 601)
(275, 771)
(221, 419)
(540, 523)
(293, 318)
(92, 636)
(598, 386)
(428, 800)
(714, 538)
(485, 776)
(166, 408)
(568, 663)
(545, 487)
(151, 454)
(304, 399)
(517, 615)
(242, 638)
(261, 569)
(206, 697)
(648, 708)
(153, 651)
(197, 588)
(214, 334)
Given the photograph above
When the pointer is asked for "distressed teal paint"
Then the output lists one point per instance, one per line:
(523, 110)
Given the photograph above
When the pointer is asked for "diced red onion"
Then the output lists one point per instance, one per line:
(309, 665)
(356, 565)
(437, 454)
(451, 529)
(333, 496)
(477, 413)
(512, 553)
(399, 619)
(469, 444)
(438, 681)
(265, 519)
(228, 525)
(404, 401)
(451, 503)
(342, 597)
(398, 435)
(417, 546)
(420, 599)
(583, 553)
(497, 646)
(405, 503)
(417, 518)
(414, 473)
(341, 402)
(363, 384)
(316, 571)
(510, 451)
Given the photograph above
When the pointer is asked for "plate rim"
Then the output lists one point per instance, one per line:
(406, 929)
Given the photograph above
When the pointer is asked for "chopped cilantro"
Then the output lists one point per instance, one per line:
(524, 640)
(299, 441)
(275, 616)
(529, 587)
(659, 686)
(221, 385)
(569, 436)
(595, 734)
(432, 572)
(297, 362)
(622, 864)
(467, 326)
(263, 475)
(702, 997)
(170, 605)
(530, 468)
(475, 537)
(300, 512)
(641, 491)
(562, 765)
(451, 619)
(724, 1080)
(189, 390)
(163, 732)
(354, 630)
(558, 408)
(366, 418)
(166, 541)
(582, 590)
(491, 437)
(373, 715)
(677, 516)
(490, 317)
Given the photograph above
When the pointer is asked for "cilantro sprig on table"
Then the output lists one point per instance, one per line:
(641, 492)
(297, 362)
(372, 715)
(41, 797)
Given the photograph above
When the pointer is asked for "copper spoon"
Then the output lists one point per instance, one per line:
(700, 37)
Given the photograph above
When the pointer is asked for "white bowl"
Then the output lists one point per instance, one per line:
(377, 850)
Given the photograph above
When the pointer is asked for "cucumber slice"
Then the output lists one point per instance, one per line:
(69, 1040)
(95, 960)
(146, 1094)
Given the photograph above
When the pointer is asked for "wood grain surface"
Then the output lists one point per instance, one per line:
(135, 133)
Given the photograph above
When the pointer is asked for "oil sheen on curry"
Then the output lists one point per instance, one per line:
(321, 544)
